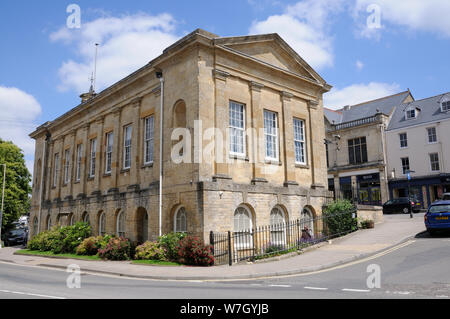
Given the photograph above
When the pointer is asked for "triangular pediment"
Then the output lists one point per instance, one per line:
(273, 50)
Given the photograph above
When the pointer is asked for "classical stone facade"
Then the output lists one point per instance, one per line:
(82, 172)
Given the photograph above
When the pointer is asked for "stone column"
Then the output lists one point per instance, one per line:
(59, 181)
(288, 140)
(50, 160)
(314, 142)
(355, 194)
(115, 165)
(99, 167)
(85, 159)
(221, 121)
(136, 149)
(337, 188)
(257, 123)
(73, 157)
(384, 187)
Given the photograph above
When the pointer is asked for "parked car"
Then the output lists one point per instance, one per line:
(400, 205)
(438, 217)
(16, 236)
(446, 196)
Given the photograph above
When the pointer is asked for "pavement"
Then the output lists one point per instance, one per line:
(393, 231)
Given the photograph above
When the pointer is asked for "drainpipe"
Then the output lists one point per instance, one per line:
(159, 75)
(383, 146)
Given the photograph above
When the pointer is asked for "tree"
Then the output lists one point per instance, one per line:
(17, 185)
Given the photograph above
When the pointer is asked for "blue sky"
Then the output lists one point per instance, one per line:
(44, 66)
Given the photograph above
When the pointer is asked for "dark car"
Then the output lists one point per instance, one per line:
(438, 217)
(17, 236)
(400, 205)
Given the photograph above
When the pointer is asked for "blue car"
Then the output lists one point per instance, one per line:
(438, 217)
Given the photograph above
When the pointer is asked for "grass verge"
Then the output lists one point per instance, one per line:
(156, 263)
(52, 255)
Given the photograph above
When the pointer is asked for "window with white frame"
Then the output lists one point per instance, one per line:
(432, 136)
(72, 220)
(299, 140)
(93, 157)
(149, 139)
(66, 166)
(445, 106)
(127, 147)
(120, 227)
(410, 113)
(403, 140)
(78, 166)
(86, 218)
(237, 128)
(180, 225)
(434, 162)
(277, 227)
(271, 134)
(109, 147)
(405, 165)
(242, 228)
(56, 170)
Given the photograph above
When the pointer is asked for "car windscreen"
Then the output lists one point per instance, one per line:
(440, 209)
(17, 232)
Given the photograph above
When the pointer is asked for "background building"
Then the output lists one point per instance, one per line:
(418, 140)
(356, 149)
(99, 162)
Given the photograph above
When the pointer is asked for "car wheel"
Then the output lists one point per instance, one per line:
(432, 232)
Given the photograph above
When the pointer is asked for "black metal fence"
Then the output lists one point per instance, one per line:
(266, 241)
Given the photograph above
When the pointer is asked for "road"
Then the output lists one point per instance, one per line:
(417, 269)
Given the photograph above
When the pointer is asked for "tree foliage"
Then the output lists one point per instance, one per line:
(17, 185)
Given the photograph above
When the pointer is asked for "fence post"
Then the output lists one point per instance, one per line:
(230, 255)
(211, 241)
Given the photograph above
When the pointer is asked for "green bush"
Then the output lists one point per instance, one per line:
(116, 249)
(150, 251)
(192, 251)
(61, 240)
(273, 249)
(338, 218)
(169, 243)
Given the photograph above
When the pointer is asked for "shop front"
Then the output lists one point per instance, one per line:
(369, 190)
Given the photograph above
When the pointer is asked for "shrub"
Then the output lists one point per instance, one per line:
(367, 223)
(150, 251)
(192, 251)
(273, 249)
(116, 249)
(89, 246)
(60, 240)
(339, 219)
(170, 243)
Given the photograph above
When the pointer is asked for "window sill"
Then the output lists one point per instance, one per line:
(125, 170)
(77, 182)
(89, 179)
(239, 157)
(272, 162)
(299, 165)
(147, 165)
(107, 175)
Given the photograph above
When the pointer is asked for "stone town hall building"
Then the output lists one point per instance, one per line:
(99, 162)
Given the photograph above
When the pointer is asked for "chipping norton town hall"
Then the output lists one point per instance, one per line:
(265, 161)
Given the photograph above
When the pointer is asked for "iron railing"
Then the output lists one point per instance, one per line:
(358, 122)
(266, 241)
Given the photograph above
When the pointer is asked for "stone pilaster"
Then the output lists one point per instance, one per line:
(288, 140)
(136, 141)
(99, 162)
(221, 120)
(115, 162)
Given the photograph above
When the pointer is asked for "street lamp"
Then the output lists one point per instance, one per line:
(3, 200)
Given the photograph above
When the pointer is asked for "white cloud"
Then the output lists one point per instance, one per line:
(417, 15)
(305, 27)
(19, 109)
(126, 44)
(359, 65)
(358, 93)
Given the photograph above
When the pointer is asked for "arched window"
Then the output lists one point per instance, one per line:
(35, 225)
(86, 218)
(180, 222)
(102, 224)
(243, 228)
(71, 220)
(49, 223)
(277, 227)
(307, 223)
(120, 227)
(145, 228)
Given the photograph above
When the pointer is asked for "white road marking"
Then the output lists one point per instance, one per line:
(283, 286)
(315, 288)
(355, 290)
(30, 294)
